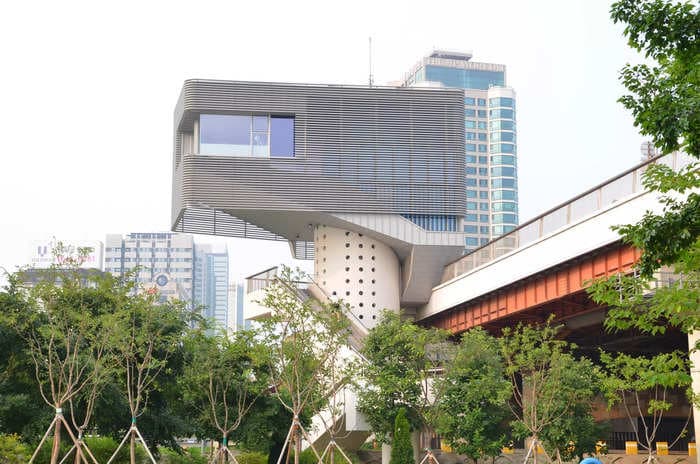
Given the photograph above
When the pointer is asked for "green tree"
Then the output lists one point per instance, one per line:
(396, 374)
(645, 383)
(303, 337)
(552, 390)
(665, 102)
(401, 449)
(148, 333)
(62, 323)
(472, 409)
(223, 377)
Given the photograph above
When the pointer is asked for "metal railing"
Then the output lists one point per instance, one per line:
(585, 204)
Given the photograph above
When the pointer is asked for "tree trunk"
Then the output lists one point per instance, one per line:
(297, 444)
(132, 448)
(56, 448)
(78, 456)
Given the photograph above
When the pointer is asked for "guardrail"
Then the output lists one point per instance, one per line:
(585, 204)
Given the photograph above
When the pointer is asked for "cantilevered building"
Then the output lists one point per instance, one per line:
(490, 142)
(367, 181)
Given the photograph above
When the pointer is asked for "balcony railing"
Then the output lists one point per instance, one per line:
(586, 204)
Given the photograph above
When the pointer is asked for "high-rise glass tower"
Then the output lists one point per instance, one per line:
(211, 283)
(490, 141)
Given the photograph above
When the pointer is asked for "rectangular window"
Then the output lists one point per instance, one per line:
(503, 183)
(503, 171)
(501, 101)
(471, 170)
(471, 182)
(481, 125)
(483, 218)
(471, 205)
(502, 114)
(481, 113)
(483, 171)
(484, 195)
(484, 206)
(470, 113)
(482, 136)
(502, 125)
(502, 148)
(470, 124)
(471, 229)
(470, 135)
(469, 101)
(481, 102)
(470, 159)
(483, 183)
(246, 135)
(471, 193)
(471, 241)
(282, 136)
(482, 148)
(503, 159)
(471, 217)
(484, 230)
(471, 147)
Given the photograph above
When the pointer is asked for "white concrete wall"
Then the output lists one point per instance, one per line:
(361, 271)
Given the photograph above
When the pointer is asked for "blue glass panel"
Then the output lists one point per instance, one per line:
(481, 102)
(282, 136)
(484, 195)
(470, 135)
(484, 241)
(481, 136)
(484, 206)
(481, 125)
(502, 125)
(470, 229)
(504, 195)
(471, 193)
(464, 78)
(483, 183)
(471, 147)
(470, 113)
(470, 124)
(504, 206)
(501, 114)
(471, 241)
(503, 171)
(471, 217)
(260, 123)
(471, 182)
(484, 230)
(501, 101)
(221, 134)
(484, 218)
(471, 170)
(470, 159)
(481, 113)
(503, 159)
(469, 101)
(471, 205)
(482, 148)
(503, 183)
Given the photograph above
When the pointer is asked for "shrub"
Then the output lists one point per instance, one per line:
(251, 458)
(401, 448)
(169, 456)
(12, 451)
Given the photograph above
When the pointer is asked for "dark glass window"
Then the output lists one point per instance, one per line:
(481, 113)
(282, 136)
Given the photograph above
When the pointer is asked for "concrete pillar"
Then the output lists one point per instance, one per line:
(386, 453)
(693, 339)
(363, 272)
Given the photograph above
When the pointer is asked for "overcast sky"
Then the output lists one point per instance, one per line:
(87, 91)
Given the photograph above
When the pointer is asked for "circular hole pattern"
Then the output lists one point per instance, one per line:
(347, 269)
(347, 281)
(347, 256)
(372, 258)
(347, 234)
(347, 293)
(372, 269)
(360, 281)
(374, 281)
(360, 245)
(372, 245)
(347, 245)
(361, 292)
(361, 305)
(374, 305)
(361, 316)
(359, 257)
(361, 269)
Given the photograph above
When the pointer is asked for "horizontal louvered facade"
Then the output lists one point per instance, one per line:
(356, 150)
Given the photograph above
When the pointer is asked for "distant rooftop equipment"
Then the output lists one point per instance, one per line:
(449, 55)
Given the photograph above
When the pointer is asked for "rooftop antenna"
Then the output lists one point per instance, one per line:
(371, 78)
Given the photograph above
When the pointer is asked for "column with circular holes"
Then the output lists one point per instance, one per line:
(361, 271)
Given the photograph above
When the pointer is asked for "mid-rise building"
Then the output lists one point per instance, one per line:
(210, 290)
(162, 258)
(490, 141)
(236, 318)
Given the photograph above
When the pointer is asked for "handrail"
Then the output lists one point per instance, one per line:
(595, 199)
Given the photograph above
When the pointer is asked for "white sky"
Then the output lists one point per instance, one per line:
(87, 91)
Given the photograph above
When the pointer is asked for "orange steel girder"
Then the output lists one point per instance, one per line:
(539, 290)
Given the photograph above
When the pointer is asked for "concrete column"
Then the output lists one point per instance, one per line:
(693, 339)
(386, 453)
(363, 272)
